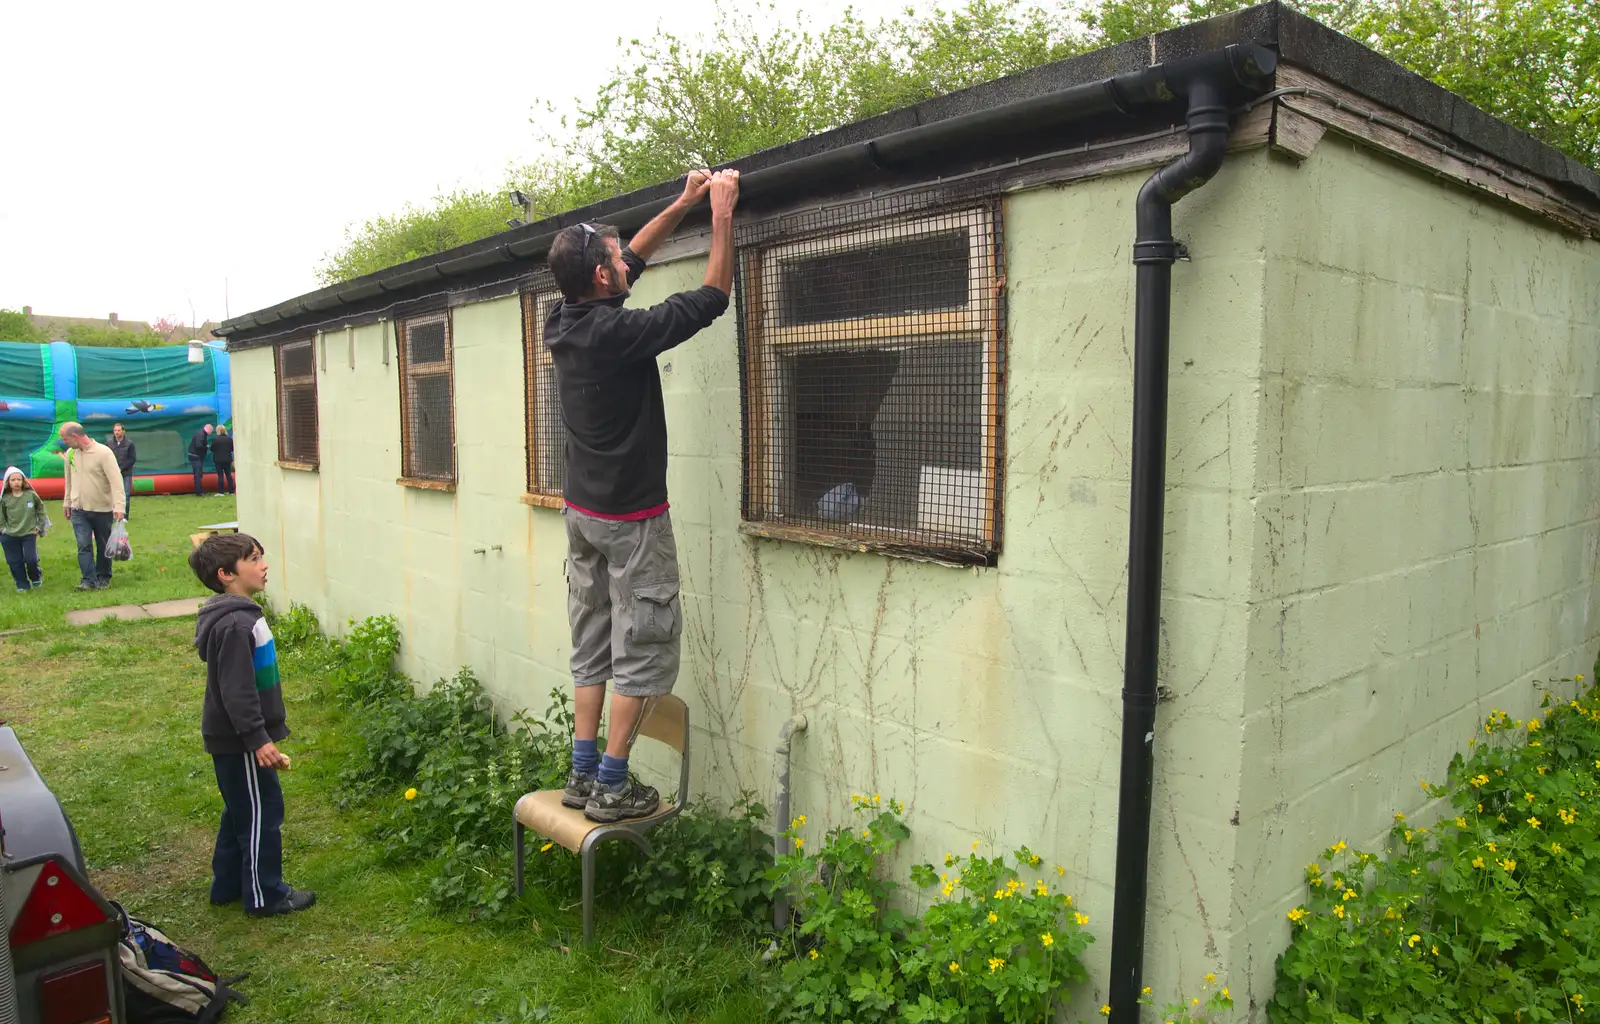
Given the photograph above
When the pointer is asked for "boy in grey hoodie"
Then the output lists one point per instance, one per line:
(242, 721)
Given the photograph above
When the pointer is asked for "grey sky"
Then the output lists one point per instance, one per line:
(158, 150)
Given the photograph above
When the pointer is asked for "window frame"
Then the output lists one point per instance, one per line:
(536, 304)
(767, 339)
(286, 458)
(409, 476)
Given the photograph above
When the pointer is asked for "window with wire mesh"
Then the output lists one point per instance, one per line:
(547, 436)
(874, 383)
(427, 405)
(297, 403)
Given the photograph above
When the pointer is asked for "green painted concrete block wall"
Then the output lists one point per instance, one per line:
(1349, 448)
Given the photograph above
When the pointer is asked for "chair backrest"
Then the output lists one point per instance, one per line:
(666, 720)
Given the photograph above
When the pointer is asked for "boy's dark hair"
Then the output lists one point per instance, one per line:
(575, 254)
(222, 551)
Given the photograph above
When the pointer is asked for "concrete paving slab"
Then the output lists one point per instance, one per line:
(90, 616)
(176, 609)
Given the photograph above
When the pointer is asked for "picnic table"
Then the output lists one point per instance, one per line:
(213, 528)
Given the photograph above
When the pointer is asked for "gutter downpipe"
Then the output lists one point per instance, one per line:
(780, 899)
(1154, 252)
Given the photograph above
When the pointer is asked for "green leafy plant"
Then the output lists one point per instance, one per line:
(1005, 949)
(710, 864)
(1493, 913)
(1200, 1009)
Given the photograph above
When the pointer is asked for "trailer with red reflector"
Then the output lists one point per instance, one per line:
(60, 963)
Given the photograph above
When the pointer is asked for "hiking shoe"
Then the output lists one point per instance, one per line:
(580, 789)
(296, 899)
(633, 799)
(86, 585)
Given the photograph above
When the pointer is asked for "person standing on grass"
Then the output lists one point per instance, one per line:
(222, 457)
(242, 721)
(21, 524)
(126, 455)
(622, 562)
(91, 501)
(197, 457)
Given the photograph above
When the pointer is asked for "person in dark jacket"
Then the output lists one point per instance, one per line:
(242, 721)
(197, 457)
(622, 564)
(222, 458)
(126, 455)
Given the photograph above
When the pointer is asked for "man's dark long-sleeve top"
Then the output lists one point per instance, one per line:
(605, 359)
(127, 455)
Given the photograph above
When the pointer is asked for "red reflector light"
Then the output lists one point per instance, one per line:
(75, 996)
(56, 905)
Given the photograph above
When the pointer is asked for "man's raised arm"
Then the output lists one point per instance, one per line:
(649, 239)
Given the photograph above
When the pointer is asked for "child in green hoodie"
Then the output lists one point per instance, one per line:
(22, 521)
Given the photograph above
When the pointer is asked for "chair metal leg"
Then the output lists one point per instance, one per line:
(588, 892)
(516, 849)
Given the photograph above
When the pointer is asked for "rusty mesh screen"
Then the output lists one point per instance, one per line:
(547, 436)
(427, 399)
(873, 365)
(297, 402)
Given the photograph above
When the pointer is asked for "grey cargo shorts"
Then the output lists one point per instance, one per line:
(622, 601)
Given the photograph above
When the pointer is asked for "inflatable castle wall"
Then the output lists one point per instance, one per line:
(157, 394)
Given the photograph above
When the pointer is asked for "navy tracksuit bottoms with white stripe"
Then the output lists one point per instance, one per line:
(248, 861)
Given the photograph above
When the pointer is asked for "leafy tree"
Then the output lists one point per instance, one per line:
(14, 326)
(674, 103)
(111, 337)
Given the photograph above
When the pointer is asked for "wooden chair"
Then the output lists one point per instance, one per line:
(665, 720)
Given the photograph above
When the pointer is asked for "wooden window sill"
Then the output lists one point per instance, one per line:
(544, 500)
(952, 556)
(448, 486)
(303, 467)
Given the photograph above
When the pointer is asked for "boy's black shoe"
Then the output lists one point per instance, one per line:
(579, 791)
(633, 800)
(297, 899)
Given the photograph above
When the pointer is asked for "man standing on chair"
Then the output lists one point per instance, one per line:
(622, 562)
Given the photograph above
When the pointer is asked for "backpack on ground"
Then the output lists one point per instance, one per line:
(163, 983)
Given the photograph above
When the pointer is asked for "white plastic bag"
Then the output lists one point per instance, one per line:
(118, 548)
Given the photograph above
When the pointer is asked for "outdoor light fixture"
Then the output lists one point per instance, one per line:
(518, 199)
(197, 351)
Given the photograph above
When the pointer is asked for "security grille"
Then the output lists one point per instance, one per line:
(427, 406)
(547, 436)
(874, 381)
(297, 403)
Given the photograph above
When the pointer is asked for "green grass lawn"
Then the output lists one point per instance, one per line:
(111, 713)
(159, 529)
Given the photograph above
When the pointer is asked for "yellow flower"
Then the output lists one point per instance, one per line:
(1040, 889)
(815, 955)
(1493, 848)
(1012, 885)
(1339, 847)
(876, 800)
(1509, 864)
(799, 843)
(1528, 797)
(1477, 862)
(994, 918)
(1461, 823)
(411, 794)
(974, 846)
(1338, 911)
(1313, 868)
(1105, 1011)
(995, 963)
(800, 821)
(546, 847)
(1226, 994)
(1555, 847)
(1483, 780)
(1435, 950)
(955, 968)
(1567, 815)
(949, 888)
(1146, 991)
(1534, 822)
(1398, 817)
(1211, 979)
(866, 833)
(1061, 872)
(949, 860)
(1412, 942)
(1297, 915)
(1195, 1001)
(999, 894)
(1424, 785)
(1349, 894)
(1047, 939)
(1034, 860)
(1082, 919)
(1533, 724)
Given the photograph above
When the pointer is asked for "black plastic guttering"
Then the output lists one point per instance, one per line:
(1207, 83)
(1158, 85)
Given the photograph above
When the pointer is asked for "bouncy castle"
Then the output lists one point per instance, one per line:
(157, 394)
